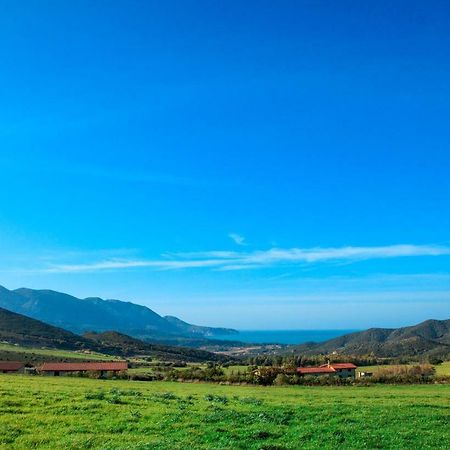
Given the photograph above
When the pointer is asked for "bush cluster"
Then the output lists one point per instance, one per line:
(194, 373)
(421, 373)
(280, 376)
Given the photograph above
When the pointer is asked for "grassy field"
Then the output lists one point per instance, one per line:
(25, 353)
(441, 369)
(235, 369)
(76, 413)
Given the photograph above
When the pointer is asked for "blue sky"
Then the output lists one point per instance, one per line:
(246, 164)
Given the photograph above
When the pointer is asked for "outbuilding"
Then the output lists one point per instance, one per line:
(11, 367)
(364, 374)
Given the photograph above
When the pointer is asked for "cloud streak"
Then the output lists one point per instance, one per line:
(234, 260)
(237, 238)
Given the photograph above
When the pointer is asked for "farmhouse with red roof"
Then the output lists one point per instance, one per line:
(342, 370)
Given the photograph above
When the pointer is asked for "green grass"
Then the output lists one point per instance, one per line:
(42, 353)
(235, 369)
(76, 413)
(441, 369)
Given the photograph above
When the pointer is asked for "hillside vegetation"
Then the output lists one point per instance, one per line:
(33, 356)
(429, 338)
(118, 343)
(21, 330)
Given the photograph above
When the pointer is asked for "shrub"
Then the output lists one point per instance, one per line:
(435, 360)
(281, 379)
(266, 375)
(216, 398)
(248, 400)
(420, 373)
(165, 396)
(99, 395)
(115, 399)
(143, 377)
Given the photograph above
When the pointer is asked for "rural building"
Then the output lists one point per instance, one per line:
(57, 369)
(364, 374)
(342, 370)
(11, 366)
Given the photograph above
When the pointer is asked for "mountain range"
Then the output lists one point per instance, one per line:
(73, 323)
(429, 338)
(96, 314)
(18, 329)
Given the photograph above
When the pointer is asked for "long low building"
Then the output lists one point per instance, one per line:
(343, 370)
(57, 369)
(11, 366)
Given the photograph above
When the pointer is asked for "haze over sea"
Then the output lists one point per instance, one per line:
(283, 336)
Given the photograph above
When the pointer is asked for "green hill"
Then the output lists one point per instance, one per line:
(17, 329)
(118, 343)
(428, 338)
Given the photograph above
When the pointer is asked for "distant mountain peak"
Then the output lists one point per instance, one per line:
(95, 313)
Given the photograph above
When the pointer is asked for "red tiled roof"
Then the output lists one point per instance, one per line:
(79, 367)
(343, 365)
(325, 368)
(313, 370)
(10, 365)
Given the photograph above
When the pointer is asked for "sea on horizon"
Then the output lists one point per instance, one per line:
(283, 336)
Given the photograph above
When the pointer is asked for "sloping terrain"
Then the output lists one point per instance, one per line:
(17, 329)
(119, 343)
(431, 337)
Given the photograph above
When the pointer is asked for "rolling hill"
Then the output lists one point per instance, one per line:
(93, 313)
(428, 338)
(17, 329)
(118, 343)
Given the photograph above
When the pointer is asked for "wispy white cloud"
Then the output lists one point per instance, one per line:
(232, 261)
(237, 238)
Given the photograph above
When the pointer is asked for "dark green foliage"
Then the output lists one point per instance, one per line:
(435, 360)
(216, 398)
(431, 337)
(19, 329)
(165, 396)
(249, 400)
(22, 330)
(121, 344)
(98, 395)
(115, 399)
(266, 375)
(211, 373)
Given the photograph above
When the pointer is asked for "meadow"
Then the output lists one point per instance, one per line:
(79, 413)
(33, 354)
(441, 369)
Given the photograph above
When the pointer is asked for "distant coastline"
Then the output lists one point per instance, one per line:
(283, 336)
